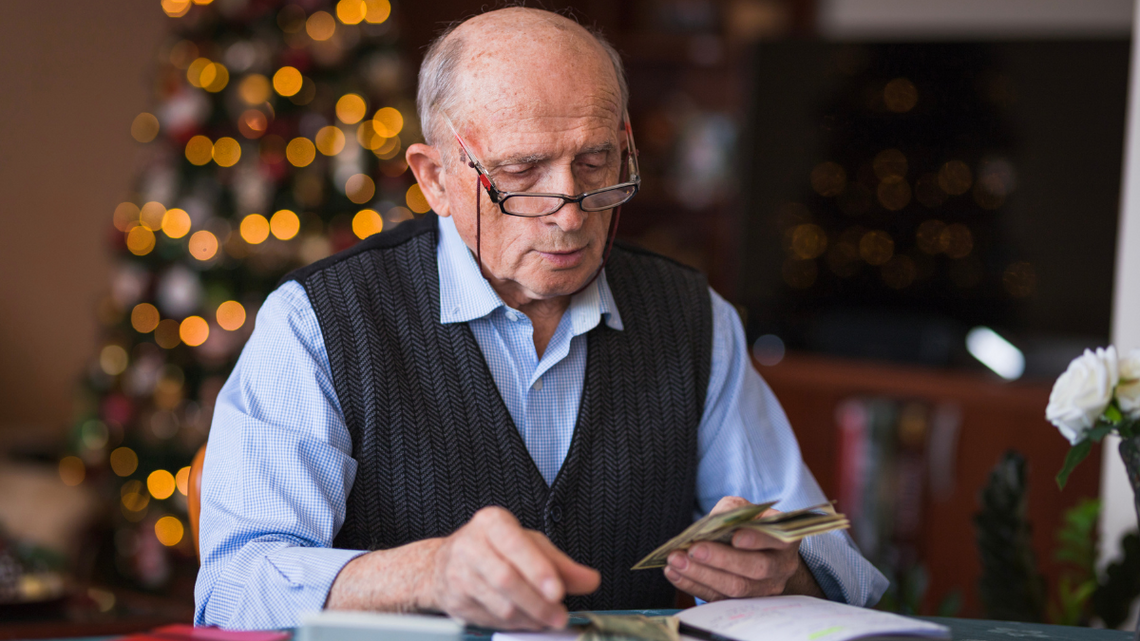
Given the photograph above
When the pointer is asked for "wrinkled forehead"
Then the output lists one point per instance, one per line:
(545, 77)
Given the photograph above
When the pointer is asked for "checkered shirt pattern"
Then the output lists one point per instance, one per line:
(279, 466)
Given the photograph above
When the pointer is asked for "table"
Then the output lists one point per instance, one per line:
(962, 630)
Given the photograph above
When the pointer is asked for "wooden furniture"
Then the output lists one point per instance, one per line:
(995, 416)
(194, 496)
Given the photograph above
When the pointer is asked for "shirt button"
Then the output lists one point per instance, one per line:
(555, 513)
(512, 316)
(538, 384)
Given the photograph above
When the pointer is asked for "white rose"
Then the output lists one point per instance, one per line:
(1128, 390)
(1082, 393)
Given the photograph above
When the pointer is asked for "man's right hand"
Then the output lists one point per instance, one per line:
(490, 572)
(494, 573)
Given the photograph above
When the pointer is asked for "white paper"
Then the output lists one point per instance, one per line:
(559, 635)
(802, 618)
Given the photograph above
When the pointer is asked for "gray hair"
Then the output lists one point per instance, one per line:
(438, 81)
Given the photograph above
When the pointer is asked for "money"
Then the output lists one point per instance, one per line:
(786, 527)
(636, 627)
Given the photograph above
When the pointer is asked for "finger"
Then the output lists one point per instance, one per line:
(692, 587)
(749, 539)
(577, 578)
(758, 565)
(505, 612)
(508, 594)
(728, 503)
(535, 564)
(728, 583)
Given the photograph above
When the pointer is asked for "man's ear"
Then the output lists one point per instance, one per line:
(427, 165)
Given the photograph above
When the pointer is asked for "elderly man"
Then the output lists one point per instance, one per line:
(471, 415)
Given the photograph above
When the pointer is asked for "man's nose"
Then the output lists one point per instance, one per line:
(570, 217)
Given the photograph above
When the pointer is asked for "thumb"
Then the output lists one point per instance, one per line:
(729, 503)
(577, 578)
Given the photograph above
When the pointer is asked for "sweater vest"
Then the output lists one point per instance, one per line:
(434, 441)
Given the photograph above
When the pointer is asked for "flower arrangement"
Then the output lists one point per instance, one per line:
(1099, 394)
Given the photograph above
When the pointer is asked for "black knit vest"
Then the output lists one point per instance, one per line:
(434, 441)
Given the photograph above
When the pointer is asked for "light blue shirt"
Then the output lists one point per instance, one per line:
(279, 466)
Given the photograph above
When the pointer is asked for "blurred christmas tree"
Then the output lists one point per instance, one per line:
(276, 139)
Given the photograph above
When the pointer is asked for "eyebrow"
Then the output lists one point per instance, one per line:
(530, 159)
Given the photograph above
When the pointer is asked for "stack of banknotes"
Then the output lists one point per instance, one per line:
(782, 526)
(625, 627)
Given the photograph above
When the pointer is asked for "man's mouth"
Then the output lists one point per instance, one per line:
(564, 259)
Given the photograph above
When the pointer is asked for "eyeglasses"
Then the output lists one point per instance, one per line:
(532, 205)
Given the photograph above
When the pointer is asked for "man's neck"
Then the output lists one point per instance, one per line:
(544, 314)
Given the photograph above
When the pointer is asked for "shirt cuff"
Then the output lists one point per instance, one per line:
(841, 572)
(287, 584)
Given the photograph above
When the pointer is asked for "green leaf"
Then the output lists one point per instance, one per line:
(1077, 454)
(1128, 429)
(1101, 430)
(1112, 413)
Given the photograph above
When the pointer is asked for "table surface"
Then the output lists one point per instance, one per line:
(962, 630)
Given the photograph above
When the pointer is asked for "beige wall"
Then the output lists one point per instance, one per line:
(73, 74)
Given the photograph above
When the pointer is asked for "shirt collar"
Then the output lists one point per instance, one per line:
(464, 295)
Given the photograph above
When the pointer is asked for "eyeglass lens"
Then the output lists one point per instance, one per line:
(523, 205)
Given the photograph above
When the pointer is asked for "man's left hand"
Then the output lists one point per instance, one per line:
(754, 565)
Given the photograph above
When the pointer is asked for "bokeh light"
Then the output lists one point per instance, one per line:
(214, 77)
(330, 140)
(367, 222)
(955, 178)
(284, 224)
(808, 241)
(958, 240)
(150, 215)
(254, 89)
(889, 162)
(900, 95)
(252, 124)
(876, 247)
(169, 531)
(134, 496)
(194, 71)
(203, 245)
(231, 315)
(893, 192)
(145, 318)
(145, 127)
(72, 470)
(182, 481)
(183, 53)
(389, 148)
(359, 188)
(828, 179)
(140, 241)
(351, 11)
(320, 26)
(94, 434)
(287, 81)
(160, 484)
(367, 137)
(227, 152)
(113, 359)
(388, 122)
(124, 461)
(175, 8)
(194, 330)
(377, 11)
(300, 152)
(175, 223)
(351, 109)
(199, 150)
(126, 216)
(166, 334)
(254, 229)
(416, 200)
(929, 237)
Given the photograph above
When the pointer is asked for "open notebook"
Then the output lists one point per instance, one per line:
(779, 618)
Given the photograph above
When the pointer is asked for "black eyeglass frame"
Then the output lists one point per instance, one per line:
(501, 198)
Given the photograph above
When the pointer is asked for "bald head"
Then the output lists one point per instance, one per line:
(501, 61)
